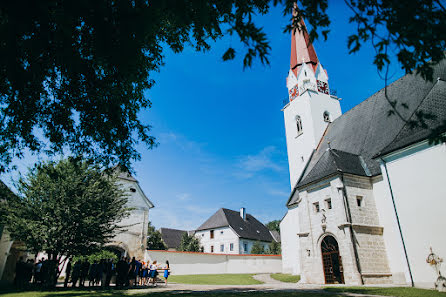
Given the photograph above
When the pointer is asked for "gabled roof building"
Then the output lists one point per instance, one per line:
(231, 232)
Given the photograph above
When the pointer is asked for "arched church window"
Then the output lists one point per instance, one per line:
(299, 125)
(327, 117)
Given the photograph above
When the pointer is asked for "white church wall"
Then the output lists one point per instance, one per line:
(289, 227)
(321, 103)
(222, 236)
(391, 235)
(299, 146)
(132, 238)
(417, 177)
(183, 263)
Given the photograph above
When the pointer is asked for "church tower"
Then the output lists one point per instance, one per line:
(310, 107)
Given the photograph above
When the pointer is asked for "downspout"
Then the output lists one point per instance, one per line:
(398, 222)
(349, 220)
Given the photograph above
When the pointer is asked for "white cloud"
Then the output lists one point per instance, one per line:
(183, 196)
(276, 192)
(250, 165)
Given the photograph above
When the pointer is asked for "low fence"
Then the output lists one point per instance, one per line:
(204, 263)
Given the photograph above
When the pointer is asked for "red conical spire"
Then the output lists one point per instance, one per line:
(302, 50)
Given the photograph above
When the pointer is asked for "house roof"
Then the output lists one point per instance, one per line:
(250, 228)
(126, 175)
(172, 237)
(276, 235)
(367, 130)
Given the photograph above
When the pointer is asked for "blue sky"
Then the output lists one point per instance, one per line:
(220, 128)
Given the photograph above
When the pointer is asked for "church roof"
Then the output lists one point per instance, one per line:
(172, 237)
(302, 50)
(250, 228)
(367, 130)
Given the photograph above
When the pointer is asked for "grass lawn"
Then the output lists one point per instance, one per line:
(398, 292)
(134, 293)
(215, 279)
(286, 278)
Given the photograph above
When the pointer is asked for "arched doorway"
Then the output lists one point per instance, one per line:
(332, 261)
(118, 251)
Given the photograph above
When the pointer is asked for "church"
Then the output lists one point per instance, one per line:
(368, 190)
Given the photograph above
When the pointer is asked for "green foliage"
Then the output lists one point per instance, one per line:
(96, 257)
(274, 248)
(76, 70)
(189, 243)
(258, 248)
(286, 278)
(273, 226)
(67, 208)
(154, 240)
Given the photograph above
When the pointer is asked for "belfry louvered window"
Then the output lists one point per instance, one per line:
(299, 125)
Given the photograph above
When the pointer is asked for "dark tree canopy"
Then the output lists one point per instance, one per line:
(273, 225)
(189, 243)
(258, 248)
(73, 72)
(67, 208)
(154, 239)
(274, 248)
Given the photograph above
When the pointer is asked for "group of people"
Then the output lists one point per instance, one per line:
(41, 272)
(99, 273)
(128, 273)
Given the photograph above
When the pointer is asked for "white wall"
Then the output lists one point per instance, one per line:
(418, 179)
(133, 238)
(183, 263)
(392, 238)
(222, 236)
(289, 227)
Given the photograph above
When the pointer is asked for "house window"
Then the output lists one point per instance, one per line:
(328, 203)
(212, 248)
(231, 247)
(327, 117)
(222, 248)
(212, 234)
(132, 190)
(245, 247)
(316, 207)
(299, 125)
(359, 201)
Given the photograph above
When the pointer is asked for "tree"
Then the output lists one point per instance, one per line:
(154, 239)
(257, 248)
(189, 243)
(274, 248)
(273, 225)
(73, 73)
(68, 208)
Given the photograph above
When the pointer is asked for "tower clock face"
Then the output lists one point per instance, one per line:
(294, 92)
(322, 87)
